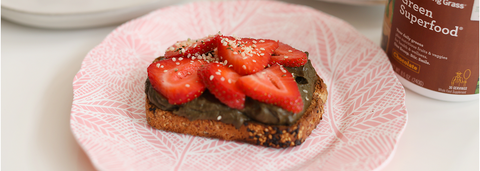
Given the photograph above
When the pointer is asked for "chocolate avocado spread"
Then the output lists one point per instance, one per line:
(208, 107)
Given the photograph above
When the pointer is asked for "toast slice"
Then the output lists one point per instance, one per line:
(276, 136)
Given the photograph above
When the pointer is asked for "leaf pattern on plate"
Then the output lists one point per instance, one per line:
(365, 111)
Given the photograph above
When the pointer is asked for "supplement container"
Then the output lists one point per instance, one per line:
(433, 46)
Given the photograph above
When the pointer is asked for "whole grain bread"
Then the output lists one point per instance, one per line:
(277, 136)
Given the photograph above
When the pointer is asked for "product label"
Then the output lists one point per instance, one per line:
(434, 43)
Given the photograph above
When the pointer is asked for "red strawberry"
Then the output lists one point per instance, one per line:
(274, 85)
(190, 47)
(220, 80)
(245, 55)
(176, 79)
(288, 56)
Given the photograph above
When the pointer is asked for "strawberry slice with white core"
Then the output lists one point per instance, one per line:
(273, 85)
(221, 81)
(288, 56)
(190, 47)
(176, 79)
(245, 55)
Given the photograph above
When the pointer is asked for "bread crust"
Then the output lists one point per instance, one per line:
(277, 136)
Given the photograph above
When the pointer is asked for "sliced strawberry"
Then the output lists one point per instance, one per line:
(288, 56)
(245, 55)
(176, 79)
(221, 81)
(274, 85)
(191, 47)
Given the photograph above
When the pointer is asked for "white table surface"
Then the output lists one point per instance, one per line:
(38, 67)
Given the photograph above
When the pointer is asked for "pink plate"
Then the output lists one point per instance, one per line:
(365, 112)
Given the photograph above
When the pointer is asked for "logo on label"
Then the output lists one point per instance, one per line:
(450, 3)
(459, 82)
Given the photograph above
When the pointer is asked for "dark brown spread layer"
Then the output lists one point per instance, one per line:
(208, 107)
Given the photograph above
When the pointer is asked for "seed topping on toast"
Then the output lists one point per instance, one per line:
(231, 68)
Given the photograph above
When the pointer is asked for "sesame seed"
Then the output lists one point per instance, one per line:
(174, 59)
(244, 67)
(178, 63)
(218, 73)
(305, 91)
(235, 53)
(193, 58)
(223, 79)
(187, 85)
(165, 70)
(254, 60)
(230, 66)
(181, 58)
(286, 56)
(262, 48)
(262, 41)
(219, 117)
(306, 98)
(262, 54)
(158, 65)
(229, 81)
(254, 41)
(180, 74)
(171, 48)
(244, 57)
(211, 77)
(289, 50)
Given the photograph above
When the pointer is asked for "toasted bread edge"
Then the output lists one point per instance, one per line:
(276, 136)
